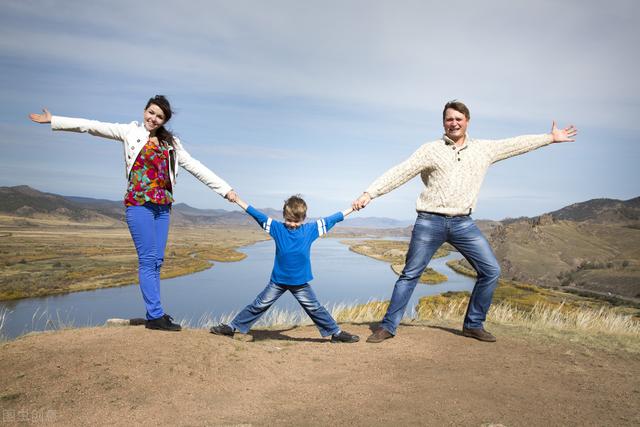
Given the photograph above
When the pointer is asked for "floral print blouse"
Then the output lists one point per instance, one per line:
(149, 179)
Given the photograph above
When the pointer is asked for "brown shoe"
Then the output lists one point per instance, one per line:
(379, 335)
(479, 334)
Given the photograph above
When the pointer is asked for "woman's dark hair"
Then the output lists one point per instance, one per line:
(163, 103)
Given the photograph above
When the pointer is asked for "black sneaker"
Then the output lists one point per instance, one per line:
(164, 323)
(222, 329)
(344, 337)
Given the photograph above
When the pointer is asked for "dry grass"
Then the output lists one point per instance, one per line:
(605, 320)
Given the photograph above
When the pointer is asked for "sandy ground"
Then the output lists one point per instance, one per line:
(427, 375)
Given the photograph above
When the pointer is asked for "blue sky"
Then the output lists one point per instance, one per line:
(320, 98)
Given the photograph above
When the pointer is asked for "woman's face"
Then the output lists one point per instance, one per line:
(153, 118)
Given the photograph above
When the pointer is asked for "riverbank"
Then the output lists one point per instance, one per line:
(54, 258)
(394, 252)
(427, 375)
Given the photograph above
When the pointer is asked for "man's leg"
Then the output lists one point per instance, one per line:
(316, 311)
(472, 244)
(427, 236)
(251, 313)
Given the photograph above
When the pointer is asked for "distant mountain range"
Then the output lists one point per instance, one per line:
(27, 202)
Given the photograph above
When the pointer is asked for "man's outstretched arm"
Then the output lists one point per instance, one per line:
(505, 148)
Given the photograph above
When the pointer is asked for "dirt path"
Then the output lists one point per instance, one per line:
(427, 375)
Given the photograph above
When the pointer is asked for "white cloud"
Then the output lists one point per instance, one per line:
(510, 61)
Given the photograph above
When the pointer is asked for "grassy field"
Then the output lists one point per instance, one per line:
(394, 252)
(46, 257)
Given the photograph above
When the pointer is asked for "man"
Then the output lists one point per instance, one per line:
(452, 170)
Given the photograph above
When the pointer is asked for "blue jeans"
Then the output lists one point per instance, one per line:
(431, 231)
(149, 228)
(305, 296)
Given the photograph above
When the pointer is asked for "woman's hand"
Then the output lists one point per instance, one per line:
(231, 196)
(45, 117)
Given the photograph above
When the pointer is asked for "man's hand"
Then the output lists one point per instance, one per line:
(231, 196)
(361, 201)
(45, 117)
(563, 135)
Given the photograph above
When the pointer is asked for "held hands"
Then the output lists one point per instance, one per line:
(45, 117)
(361, 201)
(563, 135)
(231, 196)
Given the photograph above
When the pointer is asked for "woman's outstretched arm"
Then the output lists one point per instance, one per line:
(45, 117)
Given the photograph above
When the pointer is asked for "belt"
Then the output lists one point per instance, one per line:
(444, 215)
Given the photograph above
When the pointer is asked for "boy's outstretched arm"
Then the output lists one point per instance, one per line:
(347, 212)
(241, 203)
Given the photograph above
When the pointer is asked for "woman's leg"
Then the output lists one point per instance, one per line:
(161, 221)
(140, 220)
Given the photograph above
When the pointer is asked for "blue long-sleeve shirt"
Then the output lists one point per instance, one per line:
(292, 264)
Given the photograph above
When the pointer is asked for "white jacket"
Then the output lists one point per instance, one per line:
(134, 136)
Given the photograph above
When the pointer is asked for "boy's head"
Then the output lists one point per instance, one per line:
(294, 211)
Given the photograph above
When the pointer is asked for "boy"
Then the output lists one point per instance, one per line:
(291, 269)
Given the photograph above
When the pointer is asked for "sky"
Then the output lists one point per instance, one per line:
(320, 98)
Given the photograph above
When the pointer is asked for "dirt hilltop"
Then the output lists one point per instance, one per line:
(427, 375)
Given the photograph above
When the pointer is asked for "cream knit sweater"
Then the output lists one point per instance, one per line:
(452, 176)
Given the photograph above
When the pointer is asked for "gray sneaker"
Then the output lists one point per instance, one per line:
(344, 337)
(222, 329)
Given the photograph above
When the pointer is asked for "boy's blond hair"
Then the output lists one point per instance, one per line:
(295, 209)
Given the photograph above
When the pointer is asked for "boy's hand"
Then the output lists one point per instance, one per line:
(347, 212)
(241, 203)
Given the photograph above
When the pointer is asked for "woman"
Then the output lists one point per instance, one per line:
(151, 155)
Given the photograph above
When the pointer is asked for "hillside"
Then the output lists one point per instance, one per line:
(592, 247)
(26, 202)
(601, 211)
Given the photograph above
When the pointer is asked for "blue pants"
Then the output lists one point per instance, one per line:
(429, 233)
(305, 296)
(149, 228)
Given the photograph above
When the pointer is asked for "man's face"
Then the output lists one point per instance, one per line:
(455, 124)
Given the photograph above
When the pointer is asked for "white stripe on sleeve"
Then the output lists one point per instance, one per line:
(322, 227)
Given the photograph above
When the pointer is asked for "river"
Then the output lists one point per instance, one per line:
(341, 277)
